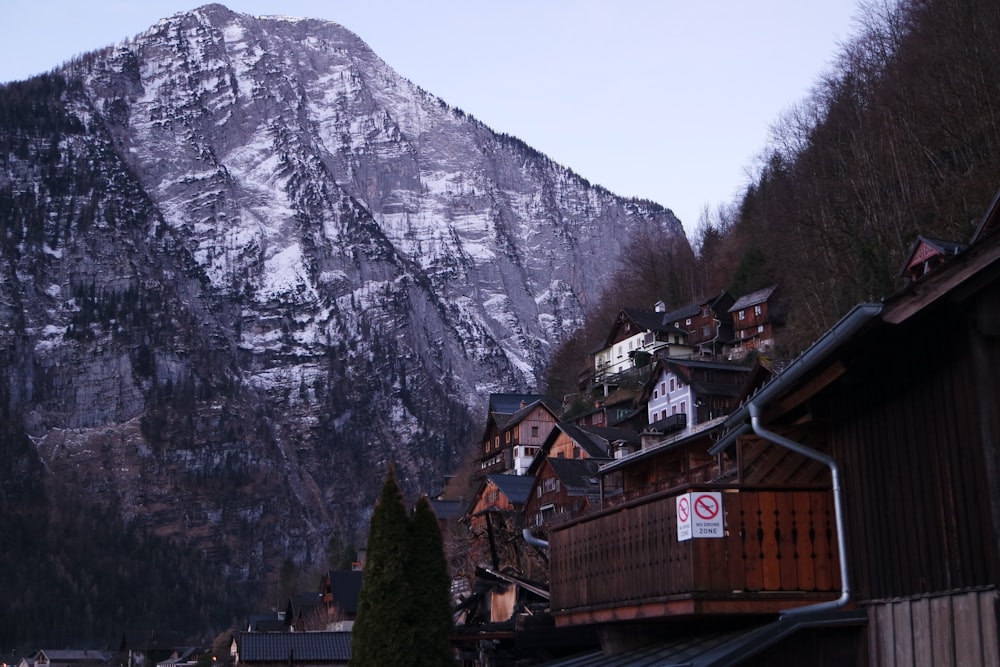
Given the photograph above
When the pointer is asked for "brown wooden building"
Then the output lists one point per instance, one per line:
(707, 323)
(516, 427)
(756, 316)
(862, 526)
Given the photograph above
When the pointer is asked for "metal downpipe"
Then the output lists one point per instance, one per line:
(532, 540)
(808, 452)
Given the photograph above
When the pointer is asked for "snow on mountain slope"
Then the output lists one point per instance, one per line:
(296, 267)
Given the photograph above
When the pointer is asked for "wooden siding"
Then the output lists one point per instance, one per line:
(779, 551)
(940, 631)
(918, 502)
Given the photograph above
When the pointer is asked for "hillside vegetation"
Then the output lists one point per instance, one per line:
(901, 137)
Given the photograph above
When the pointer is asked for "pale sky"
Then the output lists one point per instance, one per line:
(668, 100)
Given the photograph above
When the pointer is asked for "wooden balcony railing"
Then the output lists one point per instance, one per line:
(626, 563)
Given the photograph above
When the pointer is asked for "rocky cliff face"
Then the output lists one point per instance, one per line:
(246, 266)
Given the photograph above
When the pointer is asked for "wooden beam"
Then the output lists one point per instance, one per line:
(816, 384)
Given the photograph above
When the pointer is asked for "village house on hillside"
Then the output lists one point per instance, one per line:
(701, 390)
(516, 426)
(565, 471)
(635, 338)
(708, 324)
(756, 317)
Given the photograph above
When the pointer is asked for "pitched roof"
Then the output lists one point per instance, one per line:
(610, 434)
(577, 476)
(747, 300)
(75, 655)
(720, 300)
(508, 404)
(445, 510)
(590, 442)
(345, 585)
(302, 646)
(515, 487)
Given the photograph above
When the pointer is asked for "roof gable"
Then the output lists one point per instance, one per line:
(515, 487)
(752, 299)
(345, 586)
(577, 476)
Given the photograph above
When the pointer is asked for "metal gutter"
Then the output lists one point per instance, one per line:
(847, 327)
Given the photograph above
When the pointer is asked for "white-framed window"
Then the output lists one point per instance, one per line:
(742, 315)
(757, 310)
(760, 329)
(687, 321)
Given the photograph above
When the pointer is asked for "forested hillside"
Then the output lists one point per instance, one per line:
(900, 137)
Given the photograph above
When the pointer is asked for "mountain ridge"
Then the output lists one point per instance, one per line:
(246, 266)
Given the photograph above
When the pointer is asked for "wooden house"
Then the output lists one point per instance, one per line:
(702, 390)
(636, 337)
(495, 521)
(708, 324)
(755, 318)
(563, 488)
(563, 484)
(861, 522)
(282, 649)
(304, 612)
(516, 426)
(339, 594)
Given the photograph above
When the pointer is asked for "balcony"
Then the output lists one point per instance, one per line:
(625, 563)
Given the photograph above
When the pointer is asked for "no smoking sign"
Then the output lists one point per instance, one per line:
(699, 514)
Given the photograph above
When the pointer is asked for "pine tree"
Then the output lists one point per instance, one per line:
(383, 632)
(431, 590)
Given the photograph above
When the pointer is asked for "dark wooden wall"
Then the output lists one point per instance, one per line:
(907, 426)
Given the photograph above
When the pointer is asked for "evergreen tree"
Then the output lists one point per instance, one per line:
(431, 590)
(383, 632)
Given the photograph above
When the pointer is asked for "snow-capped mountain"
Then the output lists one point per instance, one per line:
(246, 265)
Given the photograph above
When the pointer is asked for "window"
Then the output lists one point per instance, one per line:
(576, 452)
(534, 431)
(656, 393)
(760, 329)
(684, 408)
(663, 387)
(687, 321)
(673, 409)
(757, 310)
(671, 384)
